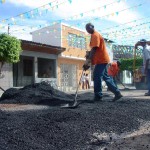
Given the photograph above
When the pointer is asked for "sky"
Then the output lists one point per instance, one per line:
(122, 21)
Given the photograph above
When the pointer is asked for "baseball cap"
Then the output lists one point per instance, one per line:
(143, 41)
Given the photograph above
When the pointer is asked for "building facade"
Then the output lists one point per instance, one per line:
(38, 62)
(70, 61)
(55, 54)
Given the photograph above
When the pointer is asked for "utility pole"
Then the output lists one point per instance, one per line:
(8, 29)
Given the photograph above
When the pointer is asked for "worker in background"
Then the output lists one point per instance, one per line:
(113, 70)
(99, 57)
(146, 60)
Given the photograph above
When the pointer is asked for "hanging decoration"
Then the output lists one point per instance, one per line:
(84, 13)
(42, 10)
(97, 18)
(121, 34)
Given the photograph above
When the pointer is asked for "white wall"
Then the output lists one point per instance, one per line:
(127, 77)
(7, 80)
(110, 51)
(50, 35)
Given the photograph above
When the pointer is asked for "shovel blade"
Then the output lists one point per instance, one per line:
(74, 105)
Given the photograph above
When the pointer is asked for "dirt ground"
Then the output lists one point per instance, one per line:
(107, 125)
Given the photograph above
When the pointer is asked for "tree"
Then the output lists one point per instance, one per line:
(10, 48)
(127, 64)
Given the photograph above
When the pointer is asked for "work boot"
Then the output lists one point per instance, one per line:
(117, 97)
(98, 99)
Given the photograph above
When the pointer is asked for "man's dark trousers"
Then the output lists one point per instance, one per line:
(100, 72)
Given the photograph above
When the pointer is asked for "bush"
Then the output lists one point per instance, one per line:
(127, 64)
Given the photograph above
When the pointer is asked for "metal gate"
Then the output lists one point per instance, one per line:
(68, 77)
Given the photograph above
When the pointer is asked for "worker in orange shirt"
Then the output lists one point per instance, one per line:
(99, 57)
(113, 70)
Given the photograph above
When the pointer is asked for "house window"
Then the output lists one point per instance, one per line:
(76, 41)
(46, 68)
(81, 42)
(27, 67)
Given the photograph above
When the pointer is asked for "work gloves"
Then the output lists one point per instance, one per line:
(87, 56)
(86, 65)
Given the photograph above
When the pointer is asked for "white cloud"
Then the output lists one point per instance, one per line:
(126, 13)
(21, 32)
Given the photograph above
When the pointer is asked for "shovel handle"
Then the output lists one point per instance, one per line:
(75, 99)
(2, 89)
(120, 82)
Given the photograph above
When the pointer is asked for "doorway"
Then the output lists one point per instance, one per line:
(68, 76)
(23, 72)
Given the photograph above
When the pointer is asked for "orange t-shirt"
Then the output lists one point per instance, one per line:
(101, 55)
(113, 69)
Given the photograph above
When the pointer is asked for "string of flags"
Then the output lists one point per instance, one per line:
(51, 6)
(43, 10)
(123, 24)
(133, 29)
(86, 21)
(40, 11)
(94, 19)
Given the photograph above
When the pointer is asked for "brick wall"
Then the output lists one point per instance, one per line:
(71, 51)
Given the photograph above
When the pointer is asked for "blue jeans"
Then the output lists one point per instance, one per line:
(148, 79)
(100, 72)
(114, 79)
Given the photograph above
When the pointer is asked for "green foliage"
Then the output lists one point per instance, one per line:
(10, 48)
(127, 64)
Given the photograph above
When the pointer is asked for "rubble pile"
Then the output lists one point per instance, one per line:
(2, 116)
(38, 93)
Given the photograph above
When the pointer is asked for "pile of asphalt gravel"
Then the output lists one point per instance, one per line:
(38, 93)
(70, 129)
(2, 116)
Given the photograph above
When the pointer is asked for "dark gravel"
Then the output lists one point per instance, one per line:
(67, 129)
(38, 93)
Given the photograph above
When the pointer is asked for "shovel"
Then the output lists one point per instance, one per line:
(125, 88)
(2, 89)
(75, 104)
